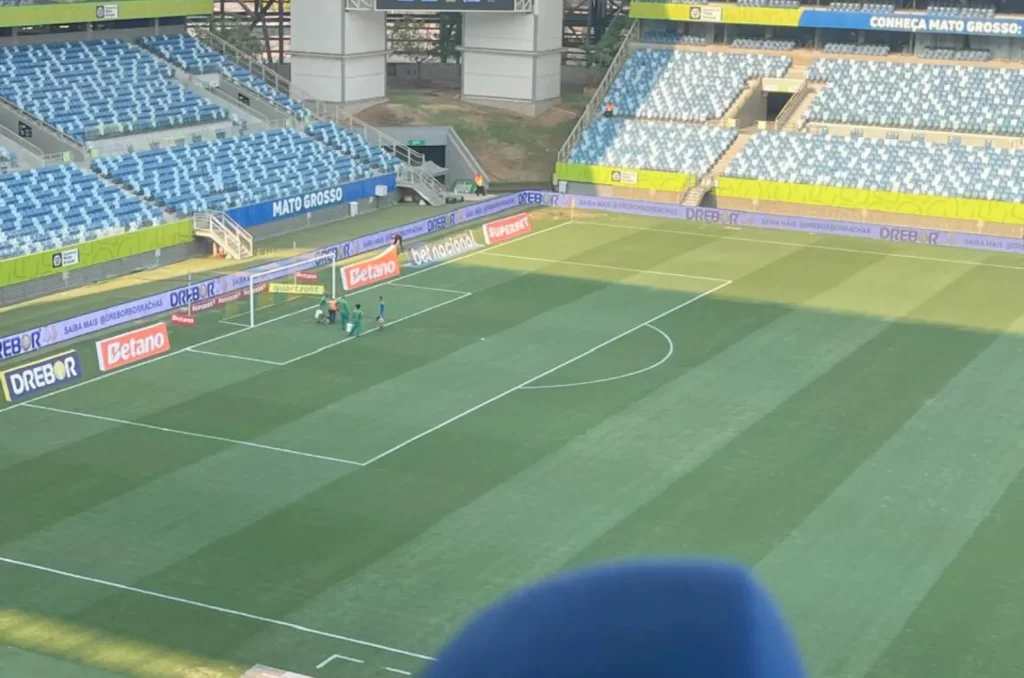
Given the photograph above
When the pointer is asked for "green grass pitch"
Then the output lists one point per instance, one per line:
(843, 415)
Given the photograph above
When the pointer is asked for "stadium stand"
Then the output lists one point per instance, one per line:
(669, 36)
(919, 96)
(225, 173)
(883, 165)
(685, 86)
(372, 157)
(769, 3)
(195, 57)
(764, 45)
(99, 88)
(862, 50)
(59, 206)
(6, 157)
(959, 12)
(691, 149)
(956, 54)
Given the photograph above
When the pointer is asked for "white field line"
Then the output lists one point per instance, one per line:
(610, 268)
(545, 373)
(122, 370)
(398, 671)
(191, 434)
(231, 322)
(236, 357)
(339, 656)
(462, 295)
(213, 608)
(784, 243)
(671, 350)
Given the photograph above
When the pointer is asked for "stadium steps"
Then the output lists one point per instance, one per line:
(127, 189)
(793, 118)
(693, 196)
(733, 111)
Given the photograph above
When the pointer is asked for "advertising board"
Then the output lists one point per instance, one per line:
(625, 177)
(40, 375)
(52, 12)
(55, 262)
(132, 347)
(311, 201)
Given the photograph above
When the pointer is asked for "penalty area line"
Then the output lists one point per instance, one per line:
(545, 373)
(190, 434)
(213, 608)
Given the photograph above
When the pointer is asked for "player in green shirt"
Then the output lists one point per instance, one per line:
(357, 322)
(343, 307)
(321, 311)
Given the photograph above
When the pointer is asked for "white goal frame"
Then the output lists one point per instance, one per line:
(327, 260)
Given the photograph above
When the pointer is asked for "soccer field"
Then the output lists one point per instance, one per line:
(843, 415)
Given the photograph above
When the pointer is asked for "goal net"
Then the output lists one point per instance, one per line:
(275, 292)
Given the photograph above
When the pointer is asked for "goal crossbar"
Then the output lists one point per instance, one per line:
(291, 269)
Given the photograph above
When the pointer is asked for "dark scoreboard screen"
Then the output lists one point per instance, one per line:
(446, 5)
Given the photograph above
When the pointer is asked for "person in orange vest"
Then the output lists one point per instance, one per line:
(609, 109)
(332, 311)
(478, 179)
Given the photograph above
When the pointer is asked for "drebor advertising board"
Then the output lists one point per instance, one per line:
(30, 379)
(296, 205)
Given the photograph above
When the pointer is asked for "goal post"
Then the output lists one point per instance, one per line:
(287, 287)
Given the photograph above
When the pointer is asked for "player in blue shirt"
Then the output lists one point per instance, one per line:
(380, 313)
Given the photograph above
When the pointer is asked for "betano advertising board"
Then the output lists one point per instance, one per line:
(812, 17)
(50, 12)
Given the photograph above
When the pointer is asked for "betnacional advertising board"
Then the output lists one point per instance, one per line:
(812, 17)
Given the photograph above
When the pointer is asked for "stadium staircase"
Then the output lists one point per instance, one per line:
(225, 233)
(791, 117)
(593, 109)
(414, 173)
(693, 196)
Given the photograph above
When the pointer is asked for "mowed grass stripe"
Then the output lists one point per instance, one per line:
(630, 440)
(451, 476)
(330, 534)
(970, 622)
(866, 557)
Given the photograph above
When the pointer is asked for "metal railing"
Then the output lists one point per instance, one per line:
(461, 147)
(593, 108)
(77, 146)
(324, 111)
(236, 242)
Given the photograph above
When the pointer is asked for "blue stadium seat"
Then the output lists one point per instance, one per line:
(193, 56)
(919, 96)
(354, 146)
(662, 84)
(642, 144)
(59, 206)
(99, 88)
(225, 173)
(914, 167)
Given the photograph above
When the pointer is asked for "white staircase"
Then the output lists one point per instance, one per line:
(225, 233)
(695, 194)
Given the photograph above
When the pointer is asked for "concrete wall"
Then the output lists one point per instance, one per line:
(451, 74)
(46, 140)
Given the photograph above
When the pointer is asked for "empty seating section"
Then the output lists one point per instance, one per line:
(962, 12)
(193, 56)
(57, 206)
(668, 147)
(768, 3)
(956, 54)
(370, 156)
(225, 173)
(915, 167)
(669, 36)
(919, 96)
(765, 45)
(686, 86)
(863, 50)
(872, 7)
(99, 88)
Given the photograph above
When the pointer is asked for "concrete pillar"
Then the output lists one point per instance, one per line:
(514, 61)
(339, 56)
